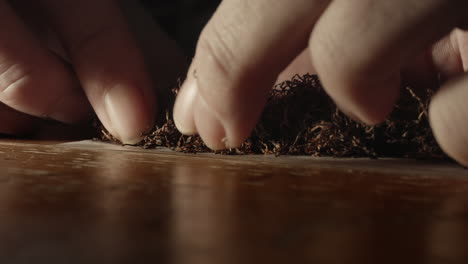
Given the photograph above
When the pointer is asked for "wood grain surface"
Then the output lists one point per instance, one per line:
(88, 202)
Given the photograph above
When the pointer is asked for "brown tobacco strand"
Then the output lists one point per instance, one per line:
(300, 119)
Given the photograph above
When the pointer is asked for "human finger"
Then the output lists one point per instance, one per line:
(108, 63)
(359, 62)
(33, 80)
(448, 110)
(239, 55)
(448, 113)
(299, 66)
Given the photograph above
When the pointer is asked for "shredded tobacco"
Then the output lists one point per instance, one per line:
(300, 119)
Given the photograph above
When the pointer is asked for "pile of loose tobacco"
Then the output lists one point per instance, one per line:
(300, 119)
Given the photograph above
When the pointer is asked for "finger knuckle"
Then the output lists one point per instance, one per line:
(20, 88)
(217, 51)
(14, 79)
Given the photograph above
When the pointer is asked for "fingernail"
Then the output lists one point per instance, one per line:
(129, 113)
(209, 126)
(183, 107)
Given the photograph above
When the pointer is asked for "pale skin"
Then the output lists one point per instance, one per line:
(359, 49)
(65, 60)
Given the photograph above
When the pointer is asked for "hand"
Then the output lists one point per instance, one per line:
(358, 48)
(62, 60)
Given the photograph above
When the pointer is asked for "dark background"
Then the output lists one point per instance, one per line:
(182, 19)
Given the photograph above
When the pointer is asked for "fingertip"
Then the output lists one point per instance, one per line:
(367, 101)
(364, 90)
(209, 126)
(129, 114)
(450, 145)
(184, 106)
(447, 119)
(217, 133)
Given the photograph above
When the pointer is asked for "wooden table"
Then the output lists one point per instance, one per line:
(87, 202)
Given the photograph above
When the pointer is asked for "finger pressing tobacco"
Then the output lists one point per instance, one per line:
(300, 119)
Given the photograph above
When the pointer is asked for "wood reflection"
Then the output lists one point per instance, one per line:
(92, 203)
